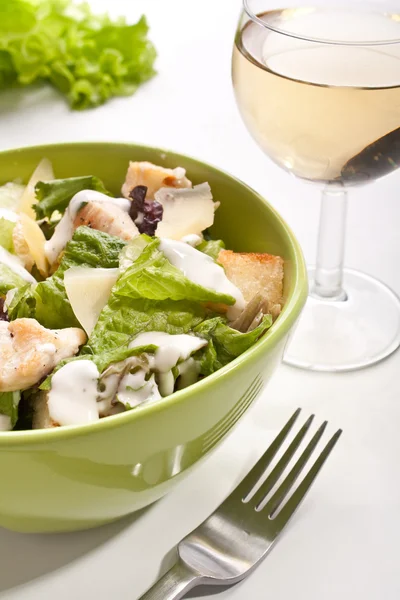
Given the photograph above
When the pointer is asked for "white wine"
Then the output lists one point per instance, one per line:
(322, 111)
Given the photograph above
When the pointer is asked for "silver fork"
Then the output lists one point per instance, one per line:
(232, 542)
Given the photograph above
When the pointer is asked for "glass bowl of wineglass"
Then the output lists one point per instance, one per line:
(319, 90)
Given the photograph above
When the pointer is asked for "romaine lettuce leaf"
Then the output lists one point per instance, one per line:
(88, 57)
(92, 248)
(208, 359)
(56, 195)
(152, 276)
(211, 247)
(123, 318)
(132, 251)
(9, 405)
(23, 303)
(6, 231)
(47, 301)
(9, 280)
(150, 295)
(225, 343)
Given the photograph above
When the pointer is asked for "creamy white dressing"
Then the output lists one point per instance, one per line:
(104, 407)
(201, 269)
(192, 239)
(134, 389)
(171, 348)
(8, 215)
(166, 383)
(106, 397)
(14, 263)
(188, 372)
(65, 228)
(72, 399)
(5, 423)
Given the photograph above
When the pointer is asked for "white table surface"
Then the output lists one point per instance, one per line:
(343, 542)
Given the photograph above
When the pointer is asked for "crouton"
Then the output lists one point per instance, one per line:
(253, 273)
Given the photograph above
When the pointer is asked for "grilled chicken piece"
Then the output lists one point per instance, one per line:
(29, 351)
(108, 218)
(153, 177)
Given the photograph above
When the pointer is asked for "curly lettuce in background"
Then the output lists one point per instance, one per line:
(89, 58)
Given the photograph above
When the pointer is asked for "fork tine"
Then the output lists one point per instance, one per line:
(282, 463)
(246, 486)
(298, 496)
(289, 481)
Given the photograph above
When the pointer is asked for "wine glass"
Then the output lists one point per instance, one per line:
(319, 90)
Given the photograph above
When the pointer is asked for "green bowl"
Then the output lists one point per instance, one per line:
(79, 477)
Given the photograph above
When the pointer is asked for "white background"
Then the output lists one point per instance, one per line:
(343, 542)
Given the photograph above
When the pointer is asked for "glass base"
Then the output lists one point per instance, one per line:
(346, 335)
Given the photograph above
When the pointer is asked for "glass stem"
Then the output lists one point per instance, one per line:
(330, 251)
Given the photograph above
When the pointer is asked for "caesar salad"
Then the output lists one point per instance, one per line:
(108, 303)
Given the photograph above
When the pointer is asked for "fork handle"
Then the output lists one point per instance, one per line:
(174, 584)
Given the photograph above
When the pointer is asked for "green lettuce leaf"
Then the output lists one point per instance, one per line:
(208, 359)
(123, 318)
(211, 247)
(152, 276)
(88, 57)
(225, 343)
(150, 295)
(92, 248)
(6, 232)
(47, 301)
(132, 251)
(9, 405)
(159, 308)
(10, 280)
(105, 359)
(23, 303)
(56, 195)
